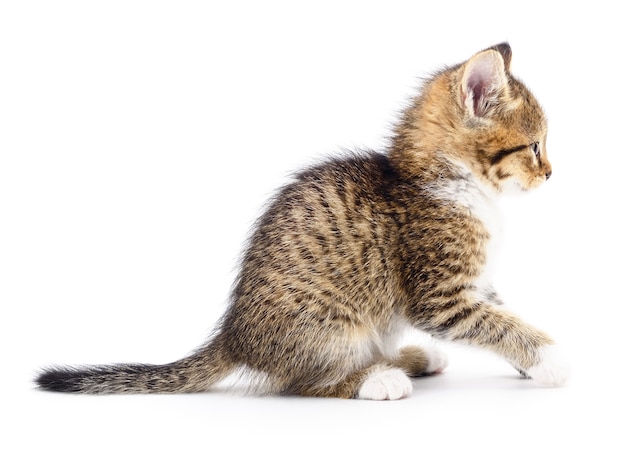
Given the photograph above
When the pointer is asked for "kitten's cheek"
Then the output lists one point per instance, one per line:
(553, 370)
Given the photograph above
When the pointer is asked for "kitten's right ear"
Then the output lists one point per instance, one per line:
(483, 83)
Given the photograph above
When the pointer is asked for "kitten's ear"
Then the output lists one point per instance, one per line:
(507, 54)
(483, 83)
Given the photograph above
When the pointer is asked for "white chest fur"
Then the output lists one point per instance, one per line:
(467, 192)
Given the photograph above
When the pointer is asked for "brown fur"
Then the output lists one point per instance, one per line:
(355, 248)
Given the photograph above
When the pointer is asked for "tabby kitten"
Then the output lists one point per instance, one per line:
(357, 249)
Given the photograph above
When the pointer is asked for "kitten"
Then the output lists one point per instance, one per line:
(357, 249)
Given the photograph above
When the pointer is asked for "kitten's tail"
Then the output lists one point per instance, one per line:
(194, 373)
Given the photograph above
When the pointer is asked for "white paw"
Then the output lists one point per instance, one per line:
(552, 370)
(390, 383)
(437, 361)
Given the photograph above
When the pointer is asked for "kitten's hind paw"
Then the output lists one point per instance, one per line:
(552, 370)
(418, 361)
(437, 361)
(383, 384)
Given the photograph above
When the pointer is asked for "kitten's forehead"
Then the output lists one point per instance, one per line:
(529, 116)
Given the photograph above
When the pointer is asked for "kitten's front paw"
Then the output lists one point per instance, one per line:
(552, 370)
(386, 384)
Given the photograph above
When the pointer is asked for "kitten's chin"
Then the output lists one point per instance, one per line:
(513, 187)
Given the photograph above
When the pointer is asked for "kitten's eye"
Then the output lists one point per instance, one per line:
(535, 147)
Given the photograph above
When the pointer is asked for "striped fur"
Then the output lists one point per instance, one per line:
(359, 248)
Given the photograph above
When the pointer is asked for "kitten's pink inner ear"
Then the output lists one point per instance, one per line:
(483, 80)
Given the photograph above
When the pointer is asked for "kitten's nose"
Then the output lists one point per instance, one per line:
(548, 174)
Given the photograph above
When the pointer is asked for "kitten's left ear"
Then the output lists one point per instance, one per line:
(507, 54)
(483, 83)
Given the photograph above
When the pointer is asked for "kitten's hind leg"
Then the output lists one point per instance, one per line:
(387, 380)
(420, 361)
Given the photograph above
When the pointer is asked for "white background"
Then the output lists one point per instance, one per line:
(139, 141)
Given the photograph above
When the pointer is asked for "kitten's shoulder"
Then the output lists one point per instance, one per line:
(363, 175)
(358, 166)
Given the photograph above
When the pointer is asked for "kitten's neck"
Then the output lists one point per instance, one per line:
(434, 166)
(484, 189)
(460, 184)
(427, 128)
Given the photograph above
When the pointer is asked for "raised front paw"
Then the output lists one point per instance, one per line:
(552, 369)
(386, 384)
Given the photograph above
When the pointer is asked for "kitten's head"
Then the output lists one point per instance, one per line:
(503, 121)
(478, 114)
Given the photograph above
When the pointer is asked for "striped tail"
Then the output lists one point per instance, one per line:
(195, 373)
